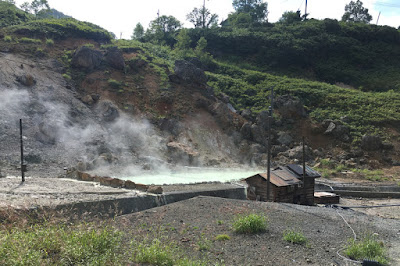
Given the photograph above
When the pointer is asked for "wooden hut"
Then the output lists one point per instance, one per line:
(286, 185)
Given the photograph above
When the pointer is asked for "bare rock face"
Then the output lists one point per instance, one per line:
(189, 72)
(115, 58)
(87, 58)
(371, 143)
(182, 153)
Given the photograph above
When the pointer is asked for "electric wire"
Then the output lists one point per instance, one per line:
(355, 238)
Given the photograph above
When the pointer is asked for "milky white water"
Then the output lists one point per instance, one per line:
(192, 175)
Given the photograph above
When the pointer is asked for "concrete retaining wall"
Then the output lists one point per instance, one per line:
(121, 206)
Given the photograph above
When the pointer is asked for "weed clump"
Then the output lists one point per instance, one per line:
(250, 224)
(294, 237)
(367, 248)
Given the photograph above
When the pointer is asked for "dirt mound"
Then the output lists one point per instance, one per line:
(199, 220)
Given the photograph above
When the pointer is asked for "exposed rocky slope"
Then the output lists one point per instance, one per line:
(116, 116)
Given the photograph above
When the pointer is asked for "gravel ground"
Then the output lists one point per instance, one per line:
(199, 220)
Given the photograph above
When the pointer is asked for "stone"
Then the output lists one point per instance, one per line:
(245, 131)
(246, 114)
(155, 190)
(88, 100)
(371, 143)
(297, 153)
(141, 187)
(117, 183)
(47, 133)
(182, 153)
(258, 134)
(284, 138)
(130, 184)
(86, 58)
(105, 181)
(26, 80)
(189, 73)
(171, 125)
(108, 111)
(262, 120)
(86, 177)
(223, 114)
(290, 107)
(115, 58)
(338, 131)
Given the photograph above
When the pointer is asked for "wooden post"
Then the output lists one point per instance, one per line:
(269, 153)
(22, 151)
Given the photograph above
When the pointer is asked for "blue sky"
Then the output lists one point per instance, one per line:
(121, 16)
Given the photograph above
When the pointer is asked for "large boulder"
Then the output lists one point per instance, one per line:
(222, 113)
(26, 80)
(371, 143)
(108, 111)
(337, 130)
(297, 153)
(245, 131)
(284, 138)
(189, 72)
(87, 58)
(262, 120)
(115, 58)
(47, 133)
(290, 107)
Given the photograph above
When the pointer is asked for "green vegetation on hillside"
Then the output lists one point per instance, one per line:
(61, 29)
(11, 15)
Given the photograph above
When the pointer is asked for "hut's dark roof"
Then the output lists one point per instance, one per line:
(298, 171)
(280, 177)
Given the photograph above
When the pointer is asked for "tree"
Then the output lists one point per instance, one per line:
(183, 40)
(256, 8)
(165, 24)
(35, 6)
(138, 32)
(202, 18)
(290, 17)
(163, 30)
(355, 12)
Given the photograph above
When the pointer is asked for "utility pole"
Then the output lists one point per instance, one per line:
(270, 108)
(22, 151)
(304, 173)
(378, 18)
(305, 12)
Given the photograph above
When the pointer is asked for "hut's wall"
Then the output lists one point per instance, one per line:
(257, 189)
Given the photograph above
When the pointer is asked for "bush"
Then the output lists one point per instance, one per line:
(250, 224)
(367, 248)
(294, 237)
(49, 42)
(115, 83)
(7, 38)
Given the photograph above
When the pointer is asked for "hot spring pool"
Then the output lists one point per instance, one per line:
(188, 176)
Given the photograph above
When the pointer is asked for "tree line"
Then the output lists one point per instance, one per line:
(248, 13)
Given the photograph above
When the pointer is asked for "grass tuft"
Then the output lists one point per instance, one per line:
(222, 237)
(250, 224)
(294, 237)
(367, 248)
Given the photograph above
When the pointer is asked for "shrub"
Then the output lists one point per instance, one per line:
(294, 237)
(222, 237)
(115, 83)
(66, 76)
(7, 38)
(366, 248)
(49, 42)
(250, 224)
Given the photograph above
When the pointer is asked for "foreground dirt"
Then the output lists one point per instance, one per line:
(193, 224)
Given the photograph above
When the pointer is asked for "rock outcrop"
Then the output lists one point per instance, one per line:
(115, 58)
(189, 72)
(86, 58)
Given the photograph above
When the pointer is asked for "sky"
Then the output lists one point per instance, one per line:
(121, 16)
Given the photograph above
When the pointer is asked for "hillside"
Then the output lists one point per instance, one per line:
(122, 107)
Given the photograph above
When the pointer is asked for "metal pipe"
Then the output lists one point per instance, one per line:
(22, 151)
